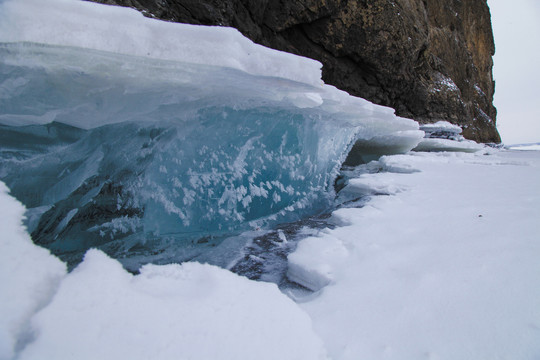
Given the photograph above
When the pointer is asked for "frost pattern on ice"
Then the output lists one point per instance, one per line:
(154, 141)
(164, 159)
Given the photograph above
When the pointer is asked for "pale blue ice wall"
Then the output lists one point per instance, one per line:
(155, 164)
(154, 140)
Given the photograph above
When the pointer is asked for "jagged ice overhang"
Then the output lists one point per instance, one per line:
(136, 135)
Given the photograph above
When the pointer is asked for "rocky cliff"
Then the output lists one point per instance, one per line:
(429, 59)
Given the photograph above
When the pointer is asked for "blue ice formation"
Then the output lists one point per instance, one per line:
(158, 160)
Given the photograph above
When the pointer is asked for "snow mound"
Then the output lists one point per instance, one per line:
(29, 276)
(313, 262)
(100, 311)
(190, 311)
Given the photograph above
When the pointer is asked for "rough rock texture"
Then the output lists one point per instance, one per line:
(431, 60)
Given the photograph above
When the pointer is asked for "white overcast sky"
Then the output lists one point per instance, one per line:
(516, 28)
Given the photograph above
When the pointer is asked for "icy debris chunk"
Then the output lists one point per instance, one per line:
(467, 146)
(397, 142)
(375, 184)
(444, 136)
(397, 164)
(29, 277)
(442, 130)
(312, 264)
(189, 311)
(440, 126)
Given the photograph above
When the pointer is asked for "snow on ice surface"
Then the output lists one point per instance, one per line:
(126, 31)
(444, 136)
(29, 276)
(441, 126)
(100, 311)
(156, 151)
(447, 268)
(429, 144)
(442, 130)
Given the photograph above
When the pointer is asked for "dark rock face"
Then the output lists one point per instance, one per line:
(428, 59)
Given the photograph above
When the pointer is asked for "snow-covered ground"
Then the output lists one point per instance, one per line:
(446, 266)
(442, 265)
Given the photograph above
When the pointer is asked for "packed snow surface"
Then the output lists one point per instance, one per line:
(442, 265)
